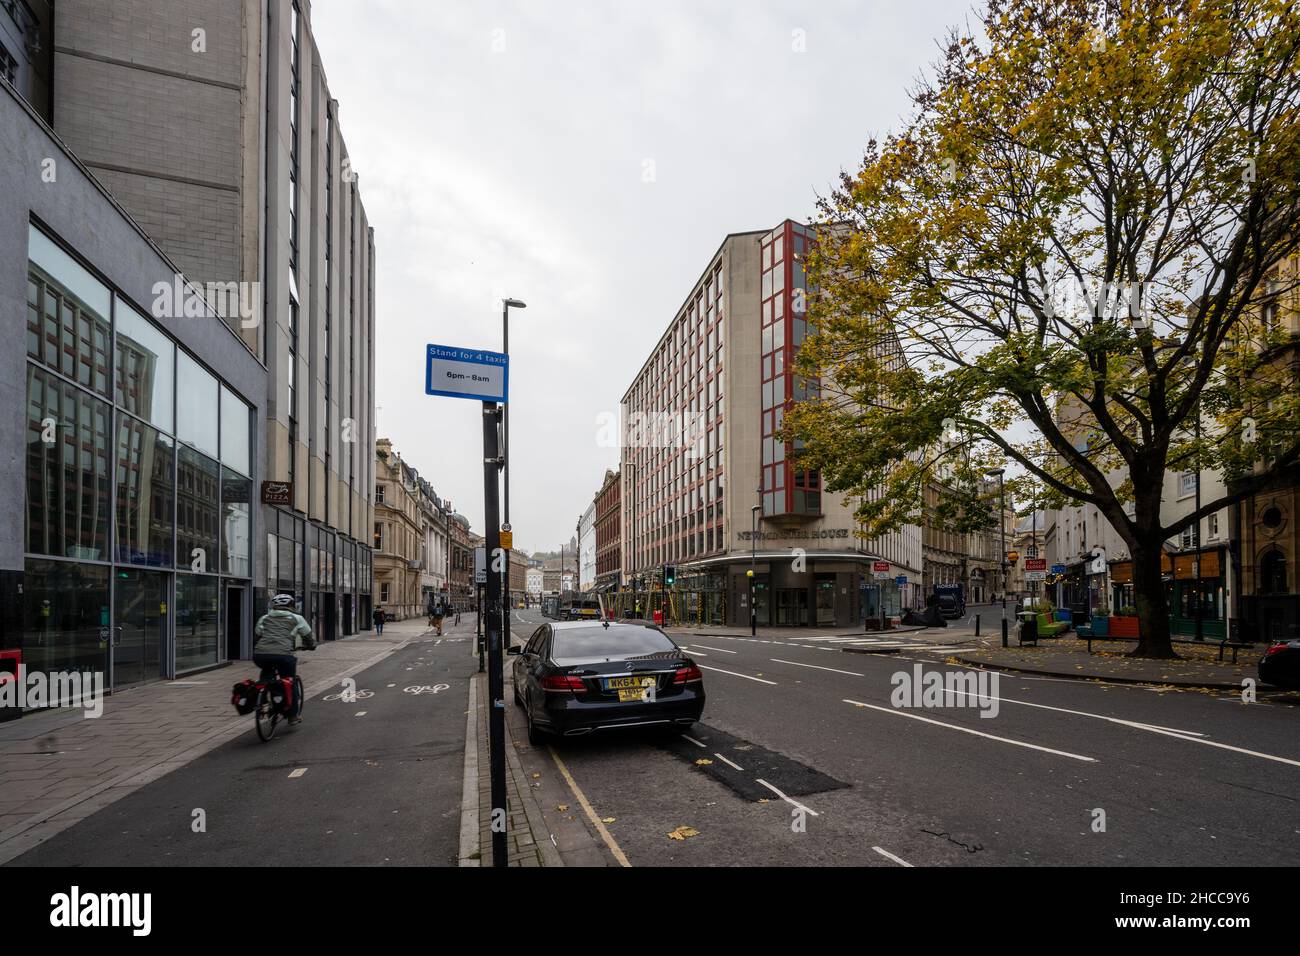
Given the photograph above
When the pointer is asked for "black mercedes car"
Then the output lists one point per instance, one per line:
(575, 677)
(1280, 665)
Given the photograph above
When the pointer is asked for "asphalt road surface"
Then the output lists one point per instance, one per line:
(374, 782)
(802, 760)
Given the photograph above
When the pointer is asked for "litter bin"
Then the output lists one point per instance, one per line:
(659, 617)
(10, 662)
(1028, 628)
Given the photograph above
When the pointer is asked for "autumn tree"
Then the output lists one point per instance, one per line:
(1059, 265)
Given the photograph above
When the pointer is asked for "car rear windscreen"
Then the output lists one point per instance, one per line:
(572, 645)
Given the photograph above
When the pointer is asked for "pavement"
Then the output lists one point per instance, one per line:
(59, 768)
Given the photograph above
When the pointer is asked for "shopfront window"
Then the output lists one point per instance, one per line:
(67, 469)
(236, 527)
(146, 494)
(196, 621)
(197, 498)
(234, 432)
(65, 616)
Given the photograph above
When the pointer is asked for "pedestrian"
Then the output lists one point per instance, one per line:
(457, 610)
(430, 610)
(378, 618)
(439, 612)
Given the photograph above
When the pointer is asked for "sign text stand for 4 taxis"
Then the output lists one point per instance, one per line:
(483, 376)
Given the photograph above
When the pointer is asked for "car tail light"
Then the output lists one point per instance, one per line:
(687, 675)
(1279, 646)
(562, 682)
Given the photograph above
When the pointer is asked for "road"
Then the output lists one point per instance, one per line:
(374, 781)
(801, 759)
(1181, 777)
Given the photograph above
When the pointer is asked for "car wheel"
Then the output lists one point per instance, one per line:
(535, 737)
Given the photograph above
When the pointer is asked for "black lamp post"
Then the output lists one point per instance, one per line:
(1002, 529)
(753, 539)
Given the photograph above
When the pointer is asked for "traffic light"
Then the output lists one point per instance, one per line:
(670, 575)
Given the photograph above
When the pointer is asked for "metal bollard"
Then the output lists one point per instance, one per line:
(977, 625)
(1004, 632)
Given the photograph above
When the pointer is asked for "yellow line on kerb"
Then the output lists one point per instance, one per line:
(591, 814)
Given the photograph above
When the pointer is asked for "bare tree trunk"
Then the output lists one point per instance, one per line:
(1152, 604)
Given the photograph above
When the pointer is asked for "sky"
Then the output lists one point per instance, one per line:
(587, 158)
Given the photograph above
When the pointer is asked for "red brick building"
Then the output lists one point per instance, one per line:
(609, 533)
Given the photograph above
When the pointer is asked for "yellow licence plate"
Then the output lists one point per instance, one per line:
(619, 683)
(634, 693)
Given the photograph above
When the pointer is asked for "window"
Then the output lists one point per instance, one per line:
(234, 432)
(379, 494)
(144, 368)
(1212, 526)
(1190, 538)
(236, 530)
(196, 621)
(67, 316)
(196, 405)
(146, 494)
(1186, 484)
(383, 593)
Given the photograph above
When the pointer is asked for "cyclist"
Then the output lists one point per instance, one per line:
(278, 631)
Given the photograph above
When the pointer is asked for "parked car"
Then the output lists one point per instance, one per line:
(576, 677)
(1280, 665)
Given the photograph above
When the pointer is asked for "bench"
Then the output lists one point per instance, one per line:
(1048, 627)
(1222, 645)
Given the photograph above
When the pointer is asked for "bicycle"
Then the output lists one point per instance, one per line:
(270, 702)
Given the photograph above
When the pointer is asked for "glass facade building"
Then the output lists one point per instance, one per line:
(137, 504)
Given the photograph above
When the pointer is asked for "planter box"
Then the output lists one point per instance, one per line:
(1123, 627)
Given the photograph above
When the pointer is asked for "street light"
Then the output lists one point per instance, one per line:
(753, 538)
(506, 306)
(1002, 529)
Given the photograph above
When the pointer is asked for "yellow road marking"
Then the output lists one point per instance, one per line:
(591, 814)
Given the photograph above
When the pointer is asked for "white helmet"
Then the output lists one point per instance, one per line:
(282, 600)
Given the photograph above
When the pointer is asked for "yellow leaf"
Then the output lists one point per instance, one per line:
(703, 762)
(607, 819)
(682, 832)
(561, 807)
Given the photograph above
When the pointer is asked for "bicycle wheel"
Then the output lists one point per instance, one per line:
(298, 697)
(266, 716)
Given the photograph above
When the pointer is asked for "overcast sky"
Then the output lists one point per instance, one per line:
(588, 158)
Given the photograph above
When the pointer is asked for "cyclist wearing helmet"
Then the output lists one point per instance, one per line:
(278, 631)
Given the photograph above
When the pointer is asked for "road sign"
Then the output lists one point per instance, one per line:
(1058, 569)
(507, 540)
(466, 373)
(480, 566)
(901, 580)
(881, 569)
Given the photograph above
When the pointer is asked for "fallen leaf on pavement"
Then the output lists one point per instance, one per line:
(536, 776)
(607, 819)
(703, 762)
(562, 807)
(682, 832)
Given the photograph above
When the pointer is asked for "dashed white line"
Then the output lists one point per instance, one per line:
(794, 803)
(722, 650)
(694, 741)
(889, 856)
(734, 674)
(360, 713)
(297, 772)
(816, 666)
(733, 766)
(967, 730)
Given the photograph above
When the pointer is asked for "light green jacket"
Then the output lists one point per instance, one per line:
(278, 632)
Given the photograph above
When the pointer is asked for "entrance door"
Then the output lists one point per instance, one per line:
(140, 612)
(826, 602)
(234, 622)
(792, 607)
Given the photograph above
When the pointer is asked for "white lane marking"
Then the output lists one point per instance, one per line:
(793, 803)
(297, 773)
(899, 860)
(694, 741)
(1082, 713)
(729, 763)
(967, 730)
(698, 654)
(360, 713)
(734, 674)
(721, 649)
(437, 642)
(816, 666)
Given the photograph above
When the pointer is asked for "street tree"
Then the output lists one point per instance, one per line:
(1067, 263)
